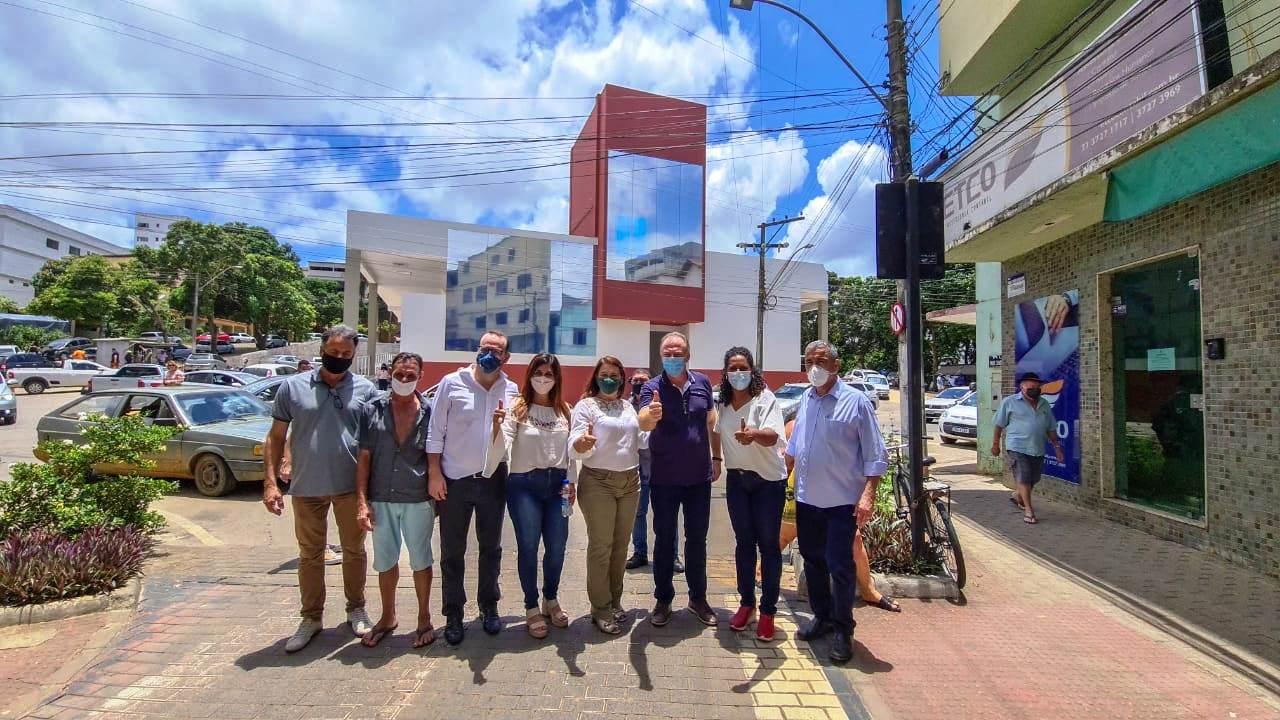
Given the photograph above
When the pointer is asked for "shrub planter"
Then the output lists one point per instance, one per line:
(120, 598)
(924, 587)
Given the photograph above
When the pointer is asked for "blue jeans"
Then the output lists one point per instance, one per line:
(533, 499)
(667, 503)
(755, 511)
(640, 533)
(826, 546)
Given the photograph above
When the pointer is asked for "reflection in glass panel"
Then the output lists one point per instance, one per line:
(655, 221)
(1159, 416)
(532, 290)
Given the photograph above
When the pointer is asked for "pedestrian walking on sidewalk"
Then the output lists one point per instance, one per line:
(534, 434)
(605, 436)
(1025, 421)
(391, 488)
(677, 410)
(323, 410)
(838, 456)
(749, 424)
(468, 403)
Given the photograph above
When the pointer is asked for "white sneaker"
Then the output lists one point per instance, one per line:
(332, 555)
(307, 629)
(359, 621)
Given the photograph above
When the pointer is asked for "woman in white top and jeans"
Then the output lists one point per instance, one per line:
(750, 425)
(606, 438)
(535, 435)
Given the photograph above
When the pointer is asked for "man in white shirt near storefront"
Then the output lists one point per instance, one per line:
(458, 443)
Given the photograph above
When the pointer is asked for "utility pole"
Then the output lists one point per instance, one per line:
(195, 311)
(911, 346)
(762, 299)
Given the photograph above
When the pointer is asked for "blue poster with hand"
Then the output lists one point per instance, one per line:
(1047, 343)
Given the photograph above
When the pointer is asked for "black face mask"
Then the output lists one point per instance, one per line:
(1033, 393)
(335, 364)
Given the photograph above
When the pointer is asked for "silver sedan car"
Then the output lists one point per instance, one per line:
(220, 438)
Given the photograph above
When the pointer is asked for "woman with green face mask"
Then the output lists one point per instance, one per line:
(605, 436)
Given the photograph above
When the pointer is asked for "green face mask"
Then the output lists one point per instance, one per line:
(608, 385)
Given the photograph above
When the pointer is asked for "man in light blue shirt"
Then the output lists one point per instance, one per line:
(1025, 421)
(838, 456)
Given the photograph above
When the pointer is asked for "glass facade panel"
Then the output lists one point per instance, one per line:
(537, 292)
(1157, 375)
(654, 225)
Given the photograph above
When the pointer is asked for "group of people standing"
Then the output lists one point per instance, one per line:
(484, 448)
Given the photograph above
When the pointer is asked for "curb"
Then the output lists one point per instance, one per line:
(923, 587)
(123, 597)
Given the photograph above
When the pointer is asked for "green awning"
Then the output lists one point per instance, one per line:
(1238, 140)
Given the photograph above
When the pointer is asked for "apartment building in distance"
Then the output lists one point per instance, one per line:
(150, 230)
(28, 241)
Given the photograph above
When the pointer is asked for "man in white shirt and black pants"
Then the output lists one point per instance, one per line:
(458, 443)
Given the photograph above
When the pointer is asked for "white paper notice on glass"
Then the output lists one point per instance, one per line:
(1160, 359)
(1016, 285)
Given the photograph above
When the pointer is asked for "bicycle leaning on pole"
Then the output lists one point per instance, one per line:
(939, 531)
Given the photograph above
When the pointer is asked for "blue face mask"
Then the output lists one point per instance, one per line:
(673, 365)
(488, 361)
(740, 379)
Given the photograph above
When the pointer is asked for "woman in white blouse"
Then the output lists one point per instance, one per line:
(534, 434)
(606, 437)
(750, 426)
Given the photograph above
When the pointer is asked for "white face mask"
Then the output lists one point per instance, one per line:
(818, 376)
(543, 385)
(402, 388)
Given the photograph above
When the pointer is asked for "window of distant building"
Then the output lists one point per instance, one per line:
(73, 250)
(511, 255)
(524, 315)
(494, 259)
(500, 318)
(480, 323)
(466, 296)
(142, 225)
(500, 287)
(579, 336)
(524, 281)
(51, 243)
(482, 293)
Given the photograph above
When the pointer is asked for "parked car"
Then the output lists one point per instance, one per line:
(960, 421)
(137, 375)
(159, 337)
(204, 361)
(285, 359)
(879, 382)
(267, 370)
(314, 337)
(222, 378)
(934, 406)
(204, 337)
(72, 374)
(220, 441)
(242, 339)
(178, 351)
(7, 350)
(789, 399)
(265, 388)
(273, 341)
(867, 389)
(222, 347)
(892, 377)
(64, 347)
(8, 405)
(27, 360)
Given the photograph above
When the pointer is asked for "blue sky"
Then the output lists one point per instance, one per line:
(478, 73)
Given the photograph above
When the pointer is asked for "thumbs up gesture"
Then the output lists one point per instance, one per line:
(744, 435)
(499, 416)
(655, 408)
(587, 440)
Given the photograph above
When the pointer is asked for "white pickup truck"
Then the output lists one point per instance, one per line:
(72, 374)
(130, 376)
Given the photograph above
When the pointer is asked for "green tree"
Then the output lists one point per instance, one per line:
(8, 305)
(326, 297)
(273, 291)
(82, 290)
(142, 301)
(195, 252)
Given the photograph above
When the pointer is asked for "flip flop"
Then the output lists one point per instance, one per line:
(422, 632)
(1016, 502)
(375, 636)
(888, 603)
(1029, 519)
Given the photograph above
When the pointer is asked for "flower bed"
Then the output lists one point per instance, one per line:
(40, 565)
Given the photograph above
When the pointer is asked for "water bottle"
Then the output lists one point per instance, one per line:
(566, 507)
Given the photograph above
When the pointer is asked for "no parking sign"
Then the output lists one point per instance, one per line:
(898, 319)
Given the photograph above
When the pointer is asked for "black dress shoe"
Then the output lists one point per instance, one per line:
(702, 610)
(453, 630)
(841, 648)
(637, 560)
(490, 621)
(814, 630)
(661, 614)
(678, 567)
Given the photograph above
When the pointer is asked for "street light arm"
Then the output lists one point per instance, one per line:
(870, 88)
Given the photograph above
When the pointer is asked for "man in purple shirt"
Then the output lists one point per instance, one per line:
(677, 409)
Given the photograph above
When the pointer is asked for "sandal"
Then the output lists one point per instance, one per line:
(1016, 501)
(558, 617)
(887, 602)
(424, 636)
(375, 636)
(536, 624)
(608, 626)
(1029, 519)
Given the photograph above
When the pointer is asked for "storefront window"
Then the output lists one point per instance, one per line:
(1159, 408)
(654, 231)
(531, 289)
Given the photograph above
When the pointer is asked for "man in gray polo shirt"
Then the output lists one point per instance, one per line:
(323, 409)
